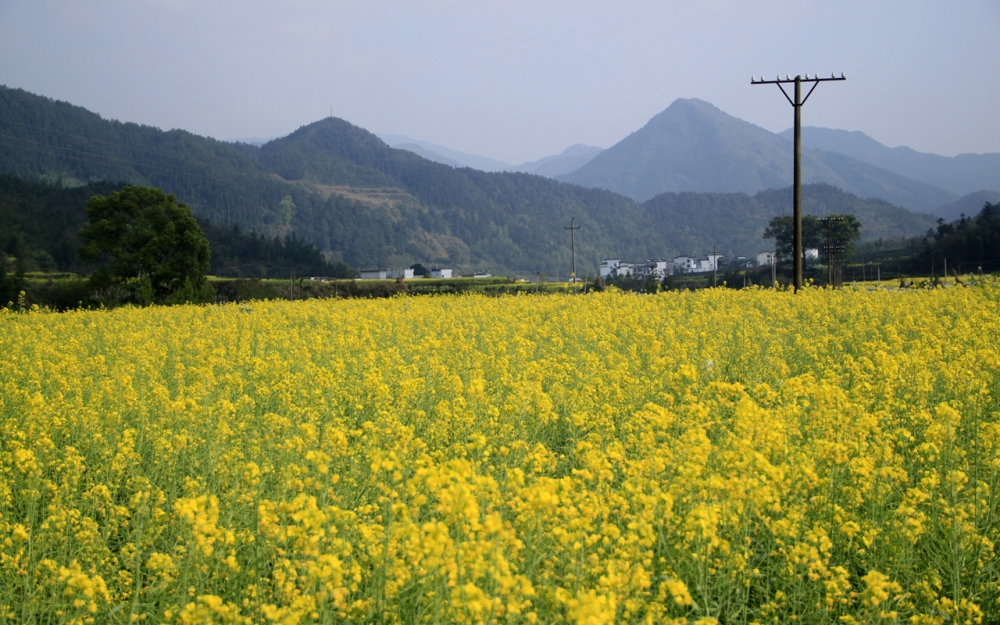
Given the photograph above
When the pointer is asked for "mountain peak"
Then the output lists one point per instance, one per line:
(694, 146)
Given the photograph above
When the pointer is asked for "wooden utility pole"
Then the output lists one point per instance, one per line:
(572, 245)
(828, 221)
(797, 172)
(715, 267)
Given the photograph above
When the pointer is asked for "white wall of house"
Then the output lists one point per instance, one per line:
(686, 263)
(437, 272)
(373, 274)
(608, 266)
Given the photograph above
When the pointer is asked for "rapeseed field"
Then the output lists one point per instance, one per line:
(720, 456)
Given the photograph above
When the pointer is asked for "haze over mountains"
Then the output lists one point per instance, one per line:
(693, 146)
(368, 204)
(960, 174)
(570, 159)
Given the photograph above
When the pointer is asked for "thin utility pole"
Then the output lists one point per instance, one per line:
(797, 172)
(828, 221)
(572, 245)
(715, 267)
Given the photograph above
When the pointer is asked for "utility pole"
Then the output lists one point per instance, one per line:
(715, 267)
(828, 221)
(572, 245)
(797, 172)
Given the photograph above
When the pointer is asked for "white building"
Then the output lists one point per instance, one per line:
(437, 272)
(406, 274)
(616, 268)
(765, 259)
(656, 268)
(652, 269)
(608, 266)
(686, 264)
(374, 274)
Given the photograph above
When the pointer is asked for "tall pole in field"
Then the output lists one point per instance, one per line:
(572, 244)
(797, 175)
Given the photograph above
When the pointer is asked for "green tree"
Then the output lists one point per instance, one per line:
(781, 229)
(149, 247)
(420, 270)
(842, 233)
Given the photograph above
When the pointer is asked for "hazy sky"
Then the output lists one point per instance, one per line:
(512, 79)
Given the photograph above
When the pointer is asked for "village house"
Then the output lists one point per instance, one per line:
(765, 259)
(655, 269)
(386, 274)
(406, 274)
(374, 274)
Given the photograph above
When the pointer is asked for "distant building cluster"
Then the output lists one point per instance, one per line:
(657, 269)
(406, 274)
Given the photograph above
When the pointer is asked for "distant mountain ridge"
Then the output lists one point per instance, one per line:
(962, 174)
(968, 205)
(568, 160)
(445, 155)
(694, 146)
(572, 158)
(342, 188)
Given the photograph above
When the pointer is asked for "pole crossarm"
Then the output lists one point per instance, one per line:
(791, 80)
(797, 103)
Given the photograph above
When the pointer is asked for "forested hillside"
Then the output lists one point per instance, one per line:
(40, 222)
(341, 188)
(735, 222)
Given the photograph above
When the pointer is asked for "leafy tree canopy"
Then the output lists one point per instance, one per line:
(420, 270)
(844, 231)
(147, 242)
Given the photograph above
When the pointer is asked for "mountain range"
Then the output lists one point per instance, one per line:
(694, 146)
(363, 202)
(962, 174)
(570, 159)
